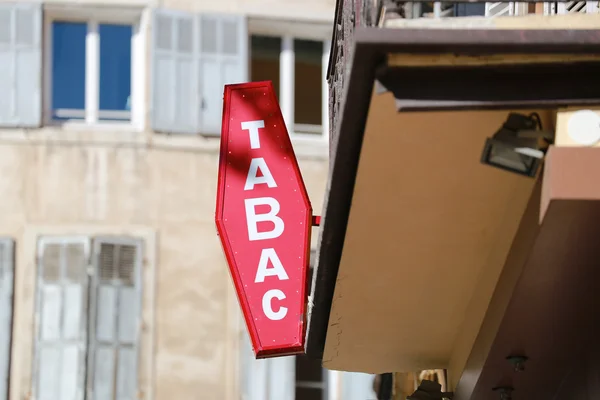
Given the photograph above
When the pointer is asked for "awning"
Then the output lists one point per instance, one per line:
(485, 223)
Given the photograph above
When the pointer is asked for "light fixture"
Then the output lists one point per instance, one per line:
(519, 146)
(584, 127)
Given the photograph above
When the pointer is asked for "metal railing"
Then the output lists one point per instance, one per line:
(352, 13)
(571, 7)
(441, 9)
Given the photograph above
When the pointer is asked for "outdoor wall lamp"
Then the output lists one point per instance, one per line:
(519, 146)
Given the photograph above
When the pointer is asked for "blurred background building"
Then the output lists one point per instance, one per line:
(114, 285)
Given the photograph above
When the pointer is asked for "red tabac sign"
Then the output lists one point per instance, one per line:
(264, 219)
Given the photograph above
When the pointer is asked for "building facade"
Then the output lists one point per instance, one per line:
(453, 247)
(113, 281)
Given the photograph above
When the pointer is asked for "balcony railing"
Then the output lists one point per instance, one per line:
(571, 7)
(353, 13)
(442, 9)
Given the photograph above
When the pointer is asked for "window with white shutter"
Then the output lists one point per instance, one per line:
(20, 64)
(194, 56)
(114, 320)
(61, 319)
(175, 102)
(6, 311)
(88, 314)
(223, 60)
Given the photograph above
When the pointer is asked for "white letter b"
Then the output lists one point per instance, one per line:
(252, 219)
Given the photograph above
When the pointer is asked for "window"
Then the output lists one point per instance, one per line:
(20, 64)
(308, 84)
(571, 7)
(88, 305)
(264, 63)
(194, 56)
(68, 69)
(311, 379)
(454, 9)
(90, 78)
(296, 68)
(6, 311)
(469, 9)
(115, 71)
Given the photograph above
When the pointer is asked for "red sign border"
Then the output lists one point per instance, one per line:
(260, 350)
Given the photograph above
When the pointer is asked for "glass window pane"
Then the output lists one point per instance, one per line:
(308, 369)
(231, 37)
(5, 26)
(115, 71)
(309, 394)
(307, 82)
(68, 70)
(469, 10)
(185, 35)
(208, 35)
(265, 60)
(164, 27)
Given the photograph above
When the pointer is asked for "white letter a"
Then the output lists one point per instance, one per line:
(262, 272)
(253, 179)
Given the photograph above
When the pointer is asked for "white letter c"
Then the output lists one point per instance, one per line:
(267, 307)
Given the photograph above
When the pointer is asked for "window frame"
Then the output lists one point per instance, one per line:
(41, 243)
(328, 385)
(91, 244)
(94, 309)
(323, 385)
(287, 85)
(559, 8)
(7, 266)
(94, 16)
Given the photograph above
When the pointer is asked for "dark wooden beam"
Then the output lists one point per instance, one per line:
(544, 306)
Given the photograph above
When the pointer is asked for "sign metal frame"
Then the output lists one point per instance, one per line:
(229, 160)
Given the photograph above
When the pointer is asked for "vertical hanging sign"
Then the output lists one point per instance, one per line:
(264, 219)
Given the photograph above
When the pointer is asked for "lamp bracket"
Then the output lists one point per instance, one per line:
(535, 134)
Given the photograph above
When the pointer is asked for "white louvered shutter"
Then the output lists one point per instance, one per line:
(500, 9)
(593, 6)
(7, 268)
(115, 307)
(20, 64)
(175, 97)
(61, 319)
(223, 60)
(254, 373)
(571, 7)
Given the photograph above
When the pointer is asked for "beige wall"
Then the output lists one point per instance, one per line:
(321, 10)
(309, 10)
(435, 243)
(156, 188)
